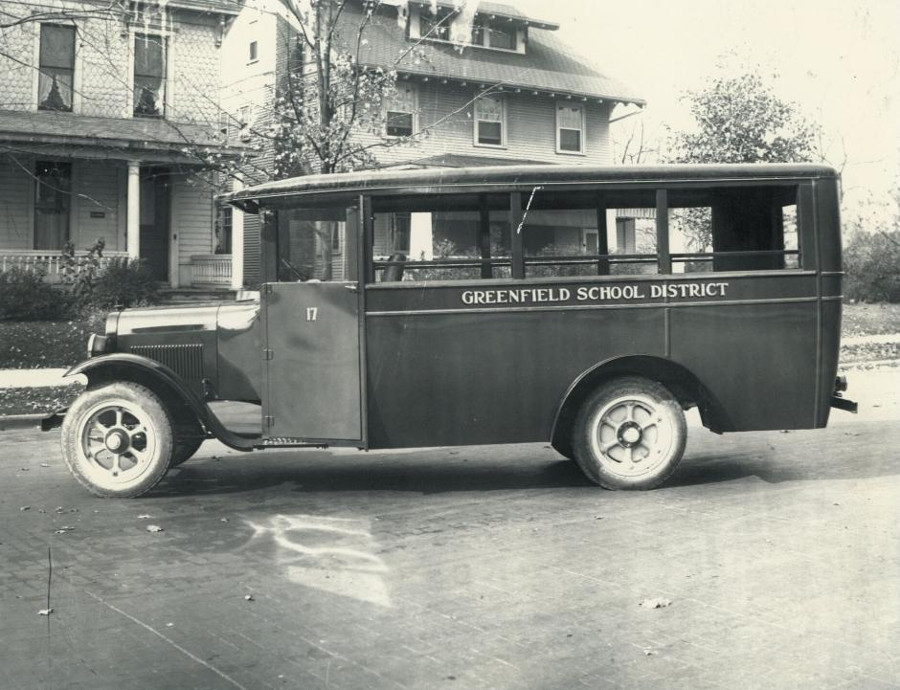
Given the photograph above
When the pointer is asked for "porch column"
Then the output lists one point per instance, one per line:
(133, 213)
(237, 241)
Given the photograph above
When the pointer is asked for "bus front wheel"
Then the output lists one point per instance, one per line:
(629, 434)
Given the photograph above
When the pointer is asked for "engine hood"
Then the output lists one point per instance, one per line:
(148, 320)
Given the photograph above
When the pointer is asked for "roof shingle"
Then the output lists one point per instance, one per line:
(548, 65)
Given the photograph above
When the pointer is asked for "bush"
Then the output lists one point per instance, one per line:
(872, 266)
(24, 296)
(125, 283)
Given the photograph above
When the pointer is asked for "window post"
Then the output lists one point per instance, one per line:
(484, 230)
(662, 231)
(602, 238)
(516, 240)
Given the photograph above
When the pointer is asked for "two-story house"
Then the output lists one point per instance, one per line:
(109, 130)
(484, 85)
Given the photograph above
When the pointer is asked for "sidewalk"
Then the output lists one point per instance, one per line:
(36, 378)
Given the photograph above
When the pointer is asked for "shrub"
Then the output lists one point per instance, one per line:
(125, 283)
(24, 296)
(872, 265)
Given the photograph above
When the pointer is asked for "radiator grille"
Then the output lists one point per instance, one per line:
(185, 360)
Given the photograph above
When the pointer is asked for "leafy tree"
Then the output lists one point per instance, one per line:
(872, 263)
(741, 120)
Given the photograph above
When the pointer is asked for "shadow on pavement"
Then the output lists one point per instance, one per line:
(410, 474)
(771, 457)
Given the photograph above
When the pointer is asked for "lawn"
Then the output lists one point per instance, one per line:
(39, 344)
(870, 319)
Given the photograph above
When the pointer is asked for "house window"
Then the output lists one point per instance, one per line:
(224, 230)
(56, 67)
(254, 51)
(569, 128)
(52, 201)
(149, 75)
(489, 121)
(400, 112)
(436, 25)
(503, 37)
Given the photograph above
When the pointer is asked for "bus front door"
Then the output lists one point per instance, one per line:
(312, 387)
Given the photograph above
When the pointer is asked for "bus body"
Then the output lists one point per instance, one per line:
(583, 306)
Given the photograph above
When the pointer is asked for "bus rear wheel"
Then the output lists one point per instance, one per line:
(629, 434)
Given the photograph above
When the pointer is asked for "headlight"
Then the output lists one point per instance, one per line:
(96, 345)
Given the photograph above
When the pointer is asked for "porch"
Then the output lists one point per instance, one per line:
(207, 271)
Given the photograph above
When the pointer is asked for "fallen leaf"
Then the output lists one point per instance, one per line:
(649, 652)
(658, 603)
(145, 516)
(44, 464)
(154, 528)
(24, 508)
(248, 597)
(223, 520)
(45, 612)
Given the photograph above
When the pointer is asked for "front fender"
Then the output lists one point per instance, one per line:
(161, 379)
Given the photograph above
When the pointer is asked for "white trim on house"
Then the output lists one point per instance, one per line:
(476, 120)
(413, 91)
(583, 131)
(168, 55)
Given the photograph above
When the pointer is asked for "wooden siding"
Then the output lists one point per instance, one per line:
(16, 194)
(192, 220)
(446, 110)
(96, 191)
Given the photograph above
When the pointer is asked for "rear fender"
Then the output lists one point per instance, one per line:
(686, 388)
(163, 381)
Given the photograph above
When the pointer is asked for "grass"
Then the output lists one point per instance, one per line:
(870, 319)
(46, 344)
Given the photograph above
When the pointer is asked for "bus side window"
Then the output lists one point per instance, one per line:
(733, 229)
(313, 244)
(589, 233)
(441, 237)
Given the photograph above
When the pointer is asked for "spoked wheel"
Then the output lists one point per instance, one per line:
(118, 440)
(630, 434)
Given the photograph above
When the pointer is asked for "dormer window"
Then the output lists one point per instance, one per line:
(488, 31)
(436, 26)
(504, 37)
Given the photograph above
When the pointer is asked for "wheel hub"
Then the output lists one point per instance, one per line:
(116, 441)
(629, 434)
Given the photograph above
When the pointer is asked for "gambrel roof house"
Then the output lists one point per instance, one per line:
(485, 85)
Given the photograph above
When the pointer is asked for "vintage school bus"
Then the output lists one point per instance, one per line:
(587, 307)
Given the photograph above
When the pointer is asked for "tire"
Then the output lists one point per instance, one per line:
(629, 435)
(117, 440)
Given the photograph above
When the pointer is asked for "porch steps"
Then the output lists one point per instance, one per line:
(194, 294)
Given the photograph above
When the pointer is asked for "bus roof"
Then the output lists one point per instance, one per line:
(482, 178)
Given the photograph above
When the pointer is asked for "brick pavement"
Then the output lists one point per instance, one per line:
(468, 568)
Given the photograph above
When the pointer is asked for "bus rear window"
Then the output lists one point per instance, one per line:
(733, 229)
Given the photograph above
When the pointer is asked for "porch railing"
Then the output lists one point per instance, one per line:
(47, 261)
(211, 270)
